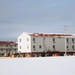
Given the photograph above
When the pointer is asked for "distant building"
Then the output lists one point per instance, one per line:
(37, 43)
(8, 47)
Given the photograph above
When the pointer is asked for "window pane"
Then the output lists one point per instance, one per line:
(73, 40)
(67, 47)
(73, 46)
(33, 39)
(33, 46)
(20, 40)
(20, 47)
(27, 39)
(27, 47)
(53, 46)
(39, 46)
(53, 40)
(67, 40)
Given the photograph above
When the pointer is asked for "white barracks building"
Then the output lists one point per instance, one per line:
(7, 47)
(37, 43)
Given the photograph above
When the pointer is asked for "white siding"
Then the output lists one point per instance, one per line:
(38, 41)
(7, 48)
(59, 44)
(46, 43)
(70, 44)
(25, 44)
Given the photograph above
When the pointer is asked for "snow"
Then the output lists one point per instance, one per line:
(38, 66)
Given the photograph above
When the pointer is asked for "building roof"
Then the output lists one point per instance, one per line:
(48, 34)
(8, 42)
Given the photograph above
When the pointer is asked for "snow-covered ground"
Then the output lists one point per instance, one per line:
(38, 66)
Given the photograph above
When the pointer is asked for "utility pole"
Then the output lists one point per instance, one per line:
(43, 42)
(65, 40)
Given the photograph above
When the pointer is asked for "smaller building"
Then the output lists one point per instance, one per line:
(7, 47)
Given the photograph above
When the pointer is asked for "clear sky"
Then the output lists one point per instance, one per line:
(49, 16)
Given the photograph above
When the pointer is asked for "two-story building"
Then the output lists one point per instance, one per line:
(37, 43)
(8, 47)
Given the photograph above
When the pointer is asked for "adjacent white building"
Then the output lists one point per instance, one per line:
(40, 42)
(8, 47)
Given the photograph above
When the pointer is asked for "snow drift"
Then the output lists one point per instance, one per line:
(38, 66)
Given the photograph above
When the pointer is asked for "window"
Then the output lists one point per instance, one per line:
(7, 50)
(73, 47)
(14, 45)
(27, 47)
(20, 40)
(27, 39)
(15, 49)
(53, 40)
(40, 46)
(34, 47)
(73, 40)
(67, 47)
(34, 40)
(54, 47)
(6, 45)
(67, 40)
(1, 49)
(20, 47)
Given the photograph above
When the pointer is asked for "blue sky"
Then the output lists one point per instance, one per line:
(49, 16)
